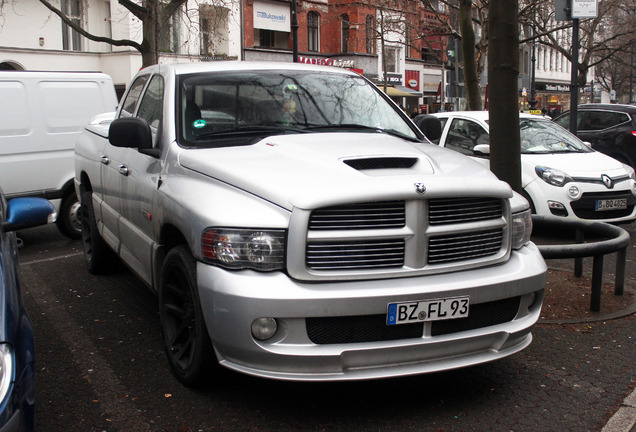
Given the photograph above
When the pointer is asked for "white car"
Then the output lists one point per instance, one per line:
(560, 174)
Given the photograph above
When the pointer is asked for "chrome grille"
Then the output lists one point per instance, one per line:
(458, 210)
(355, 255)
(406, 237)
(373, 215)
(466, 246)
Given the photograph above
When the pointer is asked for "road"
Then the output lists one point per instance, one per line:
(100, 366)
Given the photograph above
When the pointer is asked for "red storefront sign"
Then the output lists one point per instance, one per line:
(412, 79)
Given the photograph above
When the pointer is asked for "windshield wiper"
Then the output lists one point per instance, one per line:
(251, 129)
(354, 126)
(345, 126)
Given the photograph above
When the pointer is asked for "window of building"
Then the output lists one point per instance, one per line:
(313, 31)
(214, 30)
(344, 32)
(370, 34)
(392, 59)
(169, 40)
(71, 40)
(271, 39)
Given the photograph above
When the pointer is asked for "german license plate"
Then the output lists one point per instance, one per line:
(611, 204)
(427, 310)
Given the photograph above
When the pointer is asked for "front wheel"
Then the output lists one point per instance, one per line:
(185, 336)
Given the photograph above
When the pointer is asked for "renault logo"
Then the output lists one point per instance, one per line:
(420, 188)
(607, 181)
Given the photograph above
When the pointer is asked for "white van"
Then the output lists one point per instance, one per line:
(41, 117)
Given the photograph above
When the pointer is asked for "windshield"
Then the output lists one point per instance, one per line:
(545, 136)
(217, 106)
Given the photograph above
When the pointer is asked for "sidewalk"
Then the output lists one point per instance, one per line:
(625, 418)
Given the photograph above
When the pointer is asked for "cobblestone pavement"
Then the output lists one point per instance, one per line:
(100, 367)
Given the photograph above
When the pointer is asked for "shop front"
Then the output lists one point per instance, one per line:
(551, 98)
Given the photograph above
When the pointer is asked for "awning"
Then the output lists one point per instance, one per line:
(410, 92)
(392, 91)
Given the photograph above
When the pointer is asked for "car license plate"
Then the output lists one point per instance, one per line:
(427, 310)
(611, 204)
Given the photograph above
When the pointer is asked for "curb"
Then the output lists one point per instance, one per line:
(624, 420)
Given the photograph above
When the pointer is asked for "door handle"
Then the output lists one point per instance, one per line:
(123, 169)
(104, 159)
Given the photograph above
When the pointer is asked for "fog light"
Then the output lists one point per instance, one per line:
(264, 328)
(574, 192)
(556, 205)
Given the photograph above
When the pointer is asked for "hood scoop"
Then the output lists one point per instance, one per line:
(388, 165)
(381, 163)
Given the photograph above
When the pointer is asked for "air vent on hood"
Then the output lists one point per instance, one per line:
(381, 163)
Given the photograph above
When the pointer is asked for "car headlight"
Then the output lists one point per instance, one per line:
(630, 171)
(244, 248)
(521, 229)
(6, 370)
(552, 176)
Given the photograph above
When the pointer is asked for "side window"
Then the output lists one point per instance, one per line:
(128, 107)
(464, 135)
(151, 106)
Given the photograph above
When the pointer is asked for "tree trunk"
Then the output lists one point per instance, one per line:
(471, 79)
(503, 72)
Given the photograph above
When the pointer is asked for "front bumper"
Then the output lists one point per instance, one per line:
(583, 208)
(231, 301)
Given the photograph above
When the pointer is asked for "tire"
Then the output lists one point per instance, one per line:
(69, 221)
(185, 336)
(98, 256)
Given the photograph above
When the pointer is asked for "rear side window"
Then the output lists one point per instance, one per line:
(128, 107)
(599, 120)
(15, 118)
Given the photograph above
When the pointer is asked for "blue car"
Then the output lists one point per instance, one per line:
(17, 408)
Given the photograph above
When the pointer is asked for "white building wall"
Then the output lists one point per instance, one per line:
(31, 37)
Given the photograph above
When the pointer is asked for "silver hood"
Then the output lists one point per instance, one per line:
(321, 169)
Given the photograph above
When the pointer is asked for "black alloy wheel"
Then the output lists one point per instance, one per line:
(185, 335)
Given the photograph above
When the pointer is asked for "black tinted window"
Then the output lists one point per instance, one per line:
(599, 120)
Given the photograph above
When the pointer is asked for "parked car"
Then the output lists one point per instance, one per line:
(41, 116)
(17, 380)
(297, 225)
(560, 175)
(609, 128)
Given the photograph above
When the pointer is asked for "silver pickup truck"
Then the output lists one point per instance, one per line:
(295, 224)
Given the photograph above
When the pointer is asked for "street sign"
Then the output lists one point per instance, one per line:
(584, 9)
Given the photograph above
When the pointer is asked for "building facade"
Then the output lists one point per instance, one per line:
(341, 33)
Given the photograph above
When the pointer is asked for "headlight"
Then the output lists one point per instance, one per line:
(521, 229)
(630, 171)
(552, 176)
(6, 370)
(244, 248)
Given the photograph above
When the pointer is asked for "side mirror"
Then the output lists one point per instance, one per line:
(130, 132)
(481, 150)
(27, 213)
(430, 126)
